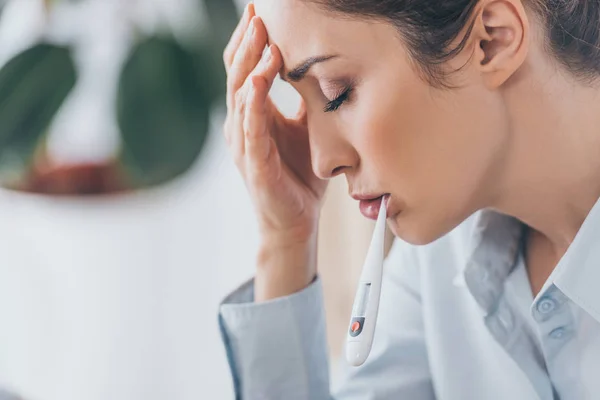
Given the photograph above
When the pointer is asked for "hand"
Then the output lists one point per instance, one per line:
(271, 151)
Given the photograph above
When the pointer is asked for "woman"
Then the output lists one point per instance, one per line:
(480, 120)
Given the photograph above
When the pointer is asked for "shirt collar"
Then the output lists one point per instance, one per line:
(492, 252)
(577, 274)
(494, 246)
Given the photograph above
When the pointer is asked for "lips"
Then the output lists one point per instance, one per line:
(370, 207)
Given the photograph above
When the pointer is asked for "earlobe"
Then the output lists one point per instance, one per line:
(501, 28)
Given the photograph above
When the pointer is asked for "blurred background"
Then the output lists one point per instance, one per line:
(123, 221)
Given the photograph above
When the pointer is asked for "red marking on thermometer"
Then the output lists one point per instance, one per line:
(366, 302)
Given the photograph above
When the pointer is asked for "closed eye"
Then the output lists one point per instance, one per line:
(336, 103)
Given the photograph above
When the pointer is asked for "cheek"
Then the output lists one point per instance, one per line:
(433, 150)
(452, 147)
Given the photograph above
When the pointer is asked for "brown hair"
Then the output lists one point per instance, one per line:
(429, 27)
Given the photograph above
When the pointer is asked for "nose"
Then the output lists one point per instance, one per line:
(331, 153)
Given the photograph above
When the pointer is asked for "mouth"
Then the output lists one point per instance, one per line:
(371, 204)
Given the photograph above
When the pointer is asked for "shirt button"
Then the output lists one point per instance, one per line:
(546, 305)
(558, 333)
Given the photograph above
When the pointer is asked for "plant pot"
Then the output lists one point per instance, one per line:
(76, 180)
(81, 292)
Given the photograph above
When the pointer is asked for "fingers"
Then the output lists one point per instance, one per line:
(237, 36)
(236, 139)
(228, 56)
(269, 65)
(259, 145)
(260, 82)
(249, 81)
(246, 58)
(256, 137)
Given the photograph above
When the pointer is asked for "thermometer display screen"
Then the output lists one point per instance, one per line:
(362, 299)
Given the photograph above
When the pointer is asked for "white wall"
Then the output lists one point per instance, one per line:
(117, 298)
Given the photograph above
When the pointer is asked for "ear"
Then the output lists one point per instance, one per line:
(501, 30)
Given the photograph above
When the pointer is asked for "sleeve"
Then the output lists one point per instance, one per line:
(7, 396)
(278, 349)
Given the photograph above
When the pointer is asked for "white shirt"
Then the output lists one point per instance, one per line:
(457, 321)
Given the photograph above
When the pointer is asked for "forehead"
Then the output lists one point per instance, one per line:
(297, 27)
(282, 16)
(301, 29)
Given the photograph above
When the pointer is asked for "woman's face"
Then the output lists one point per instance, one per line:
(435, 151)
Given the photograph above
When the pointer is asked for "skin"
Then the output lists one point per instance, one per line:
(518, 134)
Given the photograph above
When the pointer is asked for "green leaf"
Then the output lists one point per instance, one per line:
(163, 111)
(33, 86)
(210, 72)
(224, 18)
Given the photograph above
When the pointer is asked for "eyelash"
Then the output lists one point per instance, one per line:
(336, 103)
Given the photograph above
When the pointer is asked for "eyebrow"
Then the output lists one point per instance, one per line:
(299, 72)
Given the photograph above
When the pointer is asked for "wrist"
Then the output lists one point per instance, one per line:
(285, 267)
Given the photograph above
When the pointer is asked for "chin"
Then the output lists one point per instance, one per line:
(417, 231)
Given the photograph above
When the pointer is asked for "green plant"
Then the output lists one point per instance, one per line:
(33, 86)
(165, 94)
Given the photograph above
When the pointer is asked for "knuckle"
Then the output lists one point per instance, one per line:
(234, 80)
(240, 99)
(259, 82)
(226, 56)
(246, 129)
(231, 77)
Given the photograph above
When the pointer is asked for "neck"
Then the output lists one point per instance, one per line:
(552, 179)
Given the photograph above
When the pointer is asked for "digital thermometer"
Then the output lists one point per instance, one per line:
(366, 302)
